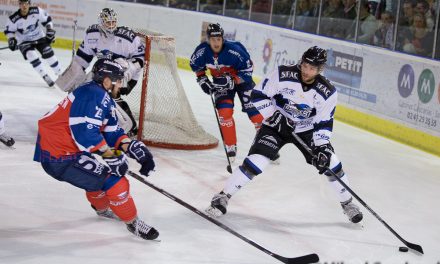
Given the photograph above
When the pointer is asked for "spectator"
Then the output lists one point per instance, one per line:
(418, 39)
(384, 35)
(212, 6)
(406, 18)
(331, 19)
(367, 25)
(302, 15)
(350, 9)
(422, 7)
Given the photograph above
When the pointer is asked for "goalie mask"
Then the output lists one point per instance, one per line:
(108, 20)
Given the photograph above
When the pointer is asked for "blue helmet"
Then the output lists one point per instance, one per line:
(107, 68)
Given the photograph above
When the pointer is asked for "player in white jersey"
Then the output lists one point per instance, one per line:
(107, 40)
(25, 31)
(293, 99)
(4, 137)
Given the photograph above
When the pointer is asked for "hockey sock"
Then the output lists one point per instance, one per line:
(35, 61)
(121, 202)
(343, 194)
(98, 200)
(252, 166)
(53, 62)
(237, 180)
(257, 120)
(227, 124)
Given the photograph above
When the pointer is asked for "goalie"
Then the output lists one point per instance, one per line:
(107, 40)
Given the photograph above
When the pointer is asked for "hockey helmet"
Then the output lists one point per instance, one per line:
(315, 56)
(105, 19)
(214, 30)
(24, 1)
(106, 68)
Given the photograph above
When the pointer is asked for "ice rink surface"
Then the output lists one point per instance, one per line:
(289, 209)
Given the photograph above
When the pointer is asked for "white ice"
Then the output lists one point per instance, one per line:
(289, 209)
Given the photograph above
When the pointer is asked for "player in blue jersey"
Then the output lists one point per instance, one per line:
(293, 99)
(231, 68)
(83, 125)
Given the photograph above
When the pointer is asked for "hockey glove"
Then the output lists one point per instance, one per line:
(279, 122)
(118, 164)
(205, 84)
(138, 151)
(223, 83)
(322, 155)
(12, 43)
(50, 35)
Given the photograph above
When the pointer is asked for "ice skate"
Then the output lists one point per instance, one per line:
(218, 205)
(7, 140)
(352, 211)
(141, 229)
(231, 151)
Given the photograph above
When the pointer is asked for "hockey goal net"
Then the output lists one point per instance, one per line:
(159, 103)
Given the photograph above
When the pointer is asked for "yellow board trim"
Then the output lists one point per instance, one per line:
(369, 122)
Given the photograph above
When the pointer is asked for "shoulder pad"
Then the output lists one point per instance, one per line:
(288, 73)
(33, 10)
(14, 17)
(125, 33)
(324, 87)
(93, 28)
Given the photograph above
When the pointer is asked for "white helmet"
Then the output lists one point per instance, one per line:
(108, 20)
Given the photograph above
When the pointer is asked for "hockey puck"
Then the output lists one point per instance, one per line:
(403, 249)
(229, 169)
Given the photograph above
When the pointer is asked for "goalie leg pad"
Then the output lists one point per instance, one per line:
(125, 117)
(121, 202)
(72, 77)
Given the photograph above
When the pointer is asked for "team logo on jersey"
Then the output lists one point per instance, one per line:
(288, 91)
(288, 76)
(300, 111)
(324, 90)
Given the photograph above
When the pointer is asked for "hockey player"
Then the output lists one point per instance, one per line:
(24, 30)
(108, 40)
(231, 68)
(83, 125)
(4, 137)
(293, 99)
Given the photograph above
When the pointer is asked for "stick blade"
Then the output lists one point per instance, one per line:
(306, 259)
(415, 247)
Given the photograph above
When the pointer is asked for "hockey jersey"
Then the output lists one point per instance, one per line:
(83, 122)
(30, 27)
(233, 59)
(123, 43)
(307, 106)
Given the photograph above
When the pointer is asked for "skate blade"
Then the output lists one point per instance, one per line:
(213, 212)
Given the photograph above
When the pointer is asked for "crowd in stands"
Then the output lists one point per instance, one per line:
(413, 33)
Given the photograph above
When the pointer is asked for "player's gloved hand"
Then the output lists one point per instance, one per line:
(279, 122)
(138, 151)
(205, 84)
(223, 83)
(12, 43)
(322, 155)
(118, 164)
(50, 35)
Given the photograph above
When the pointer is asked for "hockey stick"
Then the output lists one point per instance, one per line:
(228, 168)
(311, 258)
(415, 247)
(3, 48)
(75, 24)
